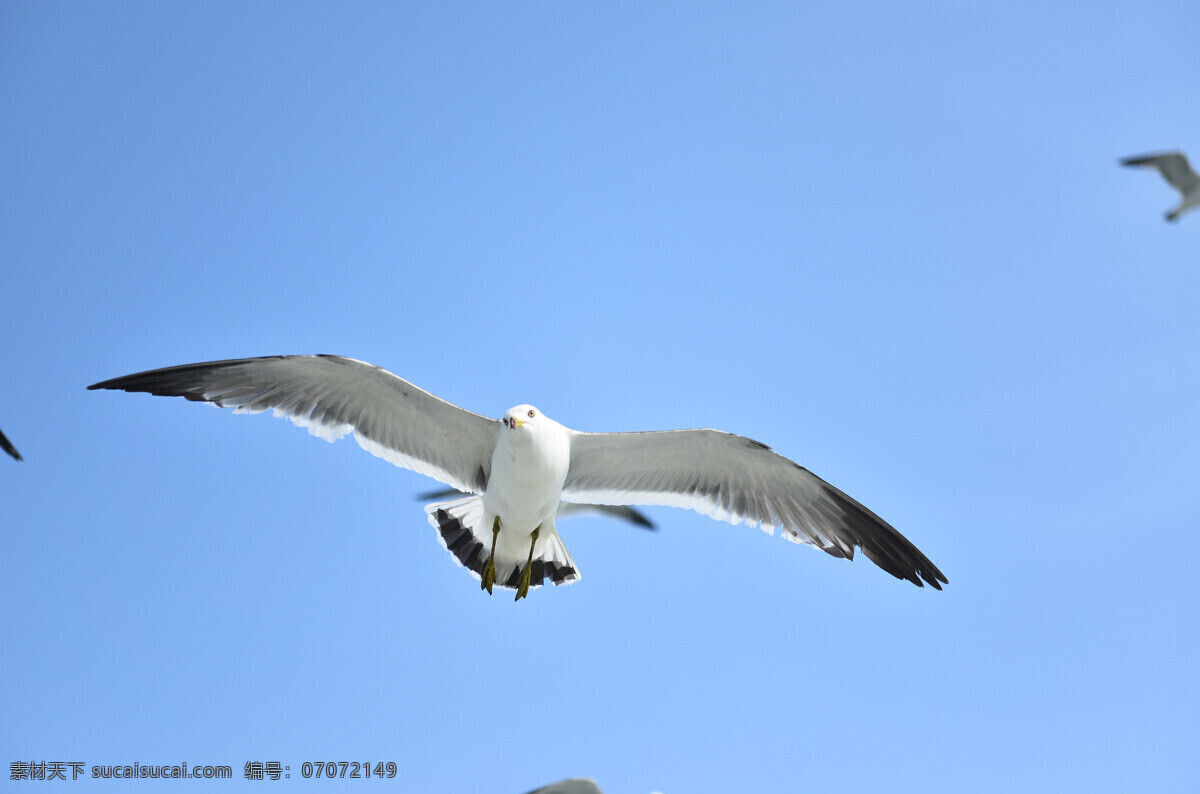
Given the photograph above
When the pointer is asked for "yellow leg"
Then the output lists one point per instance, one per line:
(489, 570)
(523, 580)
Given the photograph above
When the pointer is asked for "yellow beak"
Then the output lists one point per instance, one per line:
(518, 422)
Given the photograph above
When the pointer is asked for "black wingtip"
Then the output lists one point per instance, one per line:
(8, 447)
(884, 546)
(181, 381)
(12, 451)
(141, 382)
(1144, 159)
(123, 383)
(438, 495)
(636, 517)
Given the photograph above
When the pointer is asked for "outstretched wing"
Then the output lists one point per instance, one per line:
(332, 396)
(732, 478)
(1174, 167)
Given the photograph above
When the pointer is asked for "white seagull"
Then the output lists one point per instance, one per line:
(1174, 168)
(520, 467)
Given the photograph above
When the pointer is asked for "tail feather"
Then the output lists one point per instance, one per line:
(464, 529)
(455, 534)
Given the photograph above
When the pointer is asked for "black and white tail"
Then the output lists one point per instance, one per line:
(466, 532)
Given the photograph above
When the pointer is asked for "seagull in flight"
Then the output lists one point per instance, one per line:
(1174, 168)
(8, 447)
(517, 469)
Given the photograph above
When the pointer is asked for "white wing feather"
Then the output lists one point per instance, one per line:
(732, 478)
(332, 396)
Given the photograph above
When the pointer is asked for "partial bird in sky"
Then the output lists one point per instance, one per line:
(7, 446)
(1174, 168)
(519, 468)
(579, 785)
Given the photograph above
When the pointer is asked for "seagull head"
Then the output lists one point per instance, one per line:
(521, 416)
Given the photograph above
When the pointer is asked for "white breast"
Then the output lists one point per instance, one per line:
(529, 466)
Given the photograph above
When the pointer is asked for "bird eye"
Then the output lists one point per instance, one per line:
(530, 413)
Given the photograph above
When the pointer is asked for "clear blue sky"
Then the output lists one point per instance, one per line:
(889, 239)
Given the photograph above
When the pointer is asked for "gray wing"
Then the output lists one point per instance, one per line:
(565, 509)
(332, 396)
(1173, 166)
(7, 446)
(732, 478)
(574, 786)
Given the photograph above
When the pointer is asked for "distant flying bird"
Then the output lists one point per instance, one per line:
(1174, 168)
(7, 446)
(520, 467)
(565, 509)
(579, 785)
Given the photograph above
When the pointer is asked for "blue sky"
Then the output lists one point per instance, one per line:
(891, 240)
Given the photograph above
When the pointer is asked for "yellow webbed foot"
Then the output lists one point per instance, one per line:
(523, 583)
(523, 580)
(489, 575)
